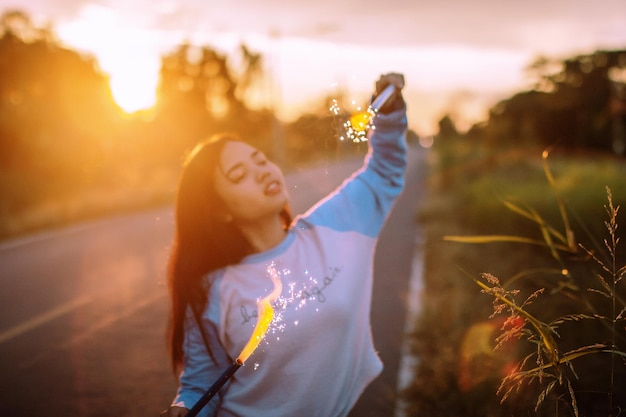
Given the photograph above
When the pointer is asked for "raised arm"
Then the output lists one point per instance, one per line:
(363, 201)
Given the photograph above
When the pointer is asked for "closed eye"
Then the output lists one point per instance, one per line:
(237, 175)
(259, 158)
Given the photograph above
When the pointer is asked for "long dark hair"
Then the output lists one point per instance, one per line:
(203, 241)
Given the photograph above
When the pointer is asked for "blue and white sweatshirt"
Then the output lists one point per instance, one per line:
(318, 355)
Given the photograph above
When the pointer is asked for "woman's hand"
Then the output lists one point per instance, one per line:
(396, 102)
(174, 411)
(391, 78)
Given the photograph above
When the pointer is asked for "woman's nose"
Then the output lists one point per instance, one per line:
(261, 173)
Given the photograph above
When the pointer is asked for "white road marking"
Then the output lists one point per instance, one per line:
(408, 362)
(111, 319)
(43, 318)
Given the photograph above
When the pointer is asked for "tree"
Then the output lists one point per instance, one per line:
(57, 119)
(573, 104)
(55, 102)
(447, 128)
(200, 94)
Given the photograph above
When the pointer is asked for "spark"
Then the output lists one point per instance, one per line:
(357, 126)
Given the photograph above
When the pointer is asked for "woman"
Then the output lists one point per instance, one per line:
(234, 238)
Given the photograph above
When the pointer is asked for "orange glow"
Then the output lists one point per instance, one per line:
(266, 316)
(360, 121)
(479, 360)
(123, 52)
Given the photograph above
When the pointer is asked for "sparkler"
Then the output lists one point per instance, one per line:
(358, 125)
(265, 318)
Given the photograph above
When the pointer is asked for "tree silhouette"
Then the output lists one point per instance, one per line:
(200, 94)
(56, 110)
(575, 105)
(63, 137)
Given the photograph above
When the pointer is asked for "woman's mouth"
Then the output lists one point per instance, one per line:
(273, 187)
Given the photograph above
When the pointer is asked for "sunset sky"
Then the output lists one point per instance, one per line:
(457, 55)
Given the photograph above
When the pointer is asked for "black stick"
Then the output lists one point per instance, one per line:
(214, 389)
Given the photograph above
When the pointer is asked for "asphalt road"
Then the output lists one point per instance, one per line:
(83, 309)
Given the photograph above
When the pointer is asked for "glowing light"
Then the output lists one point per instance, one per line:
(360, 123)
(355, 127)
(426, 141)
(361, 120)
(123, 51)
(134, 89)
(265, 317)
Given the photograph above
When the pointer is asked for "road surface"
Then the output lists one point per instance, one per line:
(83, 309)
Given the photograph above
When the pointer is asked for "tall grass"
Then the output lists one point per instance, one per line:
(558, 315)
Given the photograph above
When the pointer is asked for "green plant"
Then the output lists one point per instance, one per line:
(569, 327)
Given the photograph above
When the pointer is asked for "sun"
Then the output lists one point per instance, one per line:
(134, 87)
(123, 51)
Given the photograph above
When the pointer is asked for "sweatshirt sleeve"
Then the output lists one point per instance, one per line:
(363, 201)
(199, 370)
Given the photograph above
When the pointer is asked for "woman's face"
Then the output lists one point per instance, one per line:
(251, 186)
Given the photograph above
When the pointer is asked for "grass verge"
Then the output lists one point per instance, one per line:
(471, 193)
